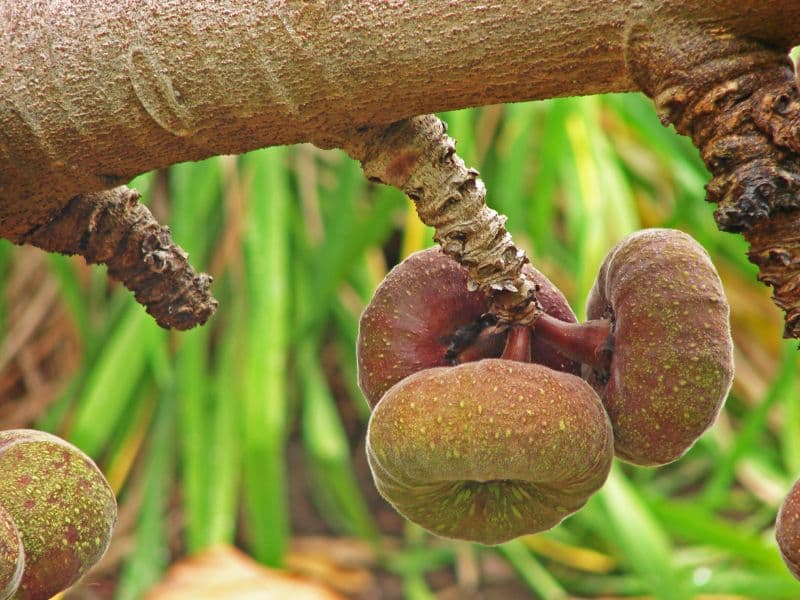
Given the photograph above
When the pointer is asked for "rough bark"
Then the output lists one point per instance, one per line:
(739, 101)
(93, 93)
(416, 156)
(112, 228)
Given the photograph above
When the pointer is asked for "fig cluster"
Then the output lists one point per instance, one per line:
(486, 431)
(57, 513)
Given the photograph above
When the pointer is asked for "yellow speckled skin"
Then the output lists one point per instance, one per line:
(489, 450)
(673, 357)
(423, 300)
(12, 556)
(787, 530)
(62, 506)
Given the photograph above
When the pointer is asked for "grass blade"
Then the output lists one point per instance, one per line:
(531, 571)
(328, 452)
(641, 540)
(264, 387)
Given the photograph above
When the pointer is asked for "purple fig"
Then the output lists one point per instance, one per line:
(658, 346)
(422, 316)
(12, 556)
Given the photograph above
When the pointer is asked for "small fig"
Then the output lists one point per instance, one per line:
(658, 347)
(61, 504)
(489, 450)
(12, 556)
(422, 316)
(787, 530)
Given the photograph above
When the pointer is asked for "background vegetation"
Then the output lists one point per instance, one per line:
(249, 431)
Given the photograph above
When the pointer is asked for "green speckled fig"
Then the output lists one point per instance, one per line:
(672, 361)
(422, 316)
(489, 450)
(62, 506)
(12, 556)
(787, 530)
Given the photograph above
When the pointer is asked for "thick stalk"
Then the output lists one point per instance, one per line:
(518, 344)
(114, 229)
(417, 156)
(591, 343)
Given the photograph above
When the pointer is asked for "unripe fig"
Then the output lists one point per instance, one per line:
(422, 316)
(12, 556)
(489, 450)
(61, 504)
(672, 360)
(787, 530)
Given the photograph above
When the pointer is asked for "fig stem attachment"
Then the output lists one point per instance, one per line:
(518, 344)
(416, 156)
(591, 342)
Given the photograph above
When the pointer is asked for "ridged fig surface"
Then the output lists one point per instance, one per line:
(489, 450)
(12, 556)
(672, 364)
(62, 506)
(787, 530)
(416, 310)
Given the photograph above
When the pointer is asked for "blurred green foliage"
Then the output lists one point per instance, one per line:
(192, 428)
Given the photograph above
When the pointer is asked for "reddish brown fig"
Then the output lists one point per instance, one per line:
(658, 347)
(787, 530)
(422, 316)
(60, 503)
(489, 450)
(12, 556)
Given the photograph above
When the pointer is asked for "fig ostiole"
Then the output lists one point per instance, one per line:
(787, 530)
(489, 450)
(664, 364)
(61, 505)
(423, 316)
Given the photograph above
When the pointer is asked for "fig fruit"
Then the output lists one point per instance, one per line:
(658, 346)
(422, 316)
(61, 504)
(787, 530)
(489, 450)
(12, 556)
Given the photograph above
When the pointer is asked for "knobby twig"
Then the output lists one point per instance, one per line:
(113, 228)
(738, 100)
(416, 156)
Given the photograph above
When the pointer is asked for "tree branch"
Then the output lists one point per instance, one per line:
(416, 156)
(93, 93)
(112, 228)
(737, 98)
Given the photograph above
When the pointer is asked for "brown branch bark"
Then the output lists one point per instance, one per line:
(739, 101)
(113, 229)
(93, 93)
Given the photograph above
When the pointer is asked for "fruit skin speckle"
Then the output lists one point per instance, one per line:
(787, 530)
(62, 506)
(672, 365)
(507, 470)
